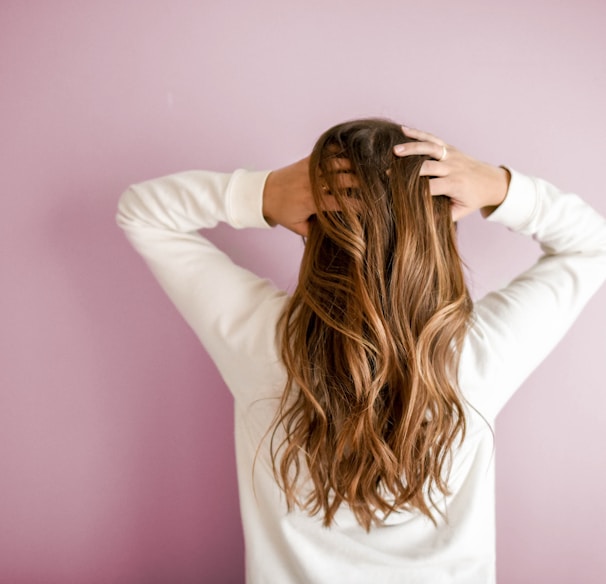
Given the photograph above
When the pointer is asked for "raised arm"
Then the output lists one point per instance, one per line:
(232, 311)
(514, 328)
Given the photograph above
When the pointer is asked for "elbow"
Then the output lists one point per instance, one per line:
(127, 204)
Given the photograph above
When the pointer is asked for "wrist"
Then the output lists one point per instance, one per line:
(497, 192)
(268, 199)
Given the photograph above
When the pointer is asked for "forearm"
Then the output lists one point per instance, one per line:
(514, 328)
(188, 201)
(562, 223)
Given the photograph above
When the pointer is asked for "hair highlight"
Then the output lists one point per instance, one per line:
(371, 337)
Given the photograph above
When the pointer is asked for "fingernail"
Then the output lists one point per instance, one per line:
(399, 149)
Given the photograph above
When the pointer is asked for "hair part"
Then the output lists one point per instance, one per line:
(371, 337)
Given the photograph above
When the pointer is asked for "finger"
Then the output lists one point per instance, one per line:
(339, 164)
(439, 186)
(422, 136)
(342, 181)
(329, 203)
(338, 168)
(347, 181)
(434, 168)
(420, 148)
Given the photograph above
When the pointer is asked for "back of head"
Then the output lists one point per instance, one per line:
(372, 334)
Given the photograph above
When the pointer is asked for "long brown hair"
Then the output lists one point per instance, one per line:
(371, 337)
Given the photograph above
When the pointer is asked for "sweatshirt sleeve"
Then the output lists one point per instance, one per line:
(514, 329)
(231, 310)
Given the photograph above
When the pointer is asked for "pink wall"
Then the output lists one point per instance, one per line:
(116, 449)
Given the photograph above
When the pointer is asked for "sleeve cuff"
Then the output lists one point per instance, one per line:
(519, 206)
(245, 199)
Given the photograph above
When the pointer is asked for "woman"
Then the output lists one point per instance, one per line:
(365, 402)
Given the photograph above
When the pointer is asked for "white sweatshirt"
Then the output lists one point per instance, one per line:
(234, 314)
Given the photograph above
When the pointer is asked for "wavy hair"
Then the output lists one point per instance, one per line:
(371, 336)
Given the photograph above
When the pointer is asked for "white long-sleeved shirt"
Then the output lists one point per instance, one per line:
(234, 314)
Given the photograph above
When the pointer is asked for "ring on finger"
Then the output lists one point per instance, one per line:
(444, 153)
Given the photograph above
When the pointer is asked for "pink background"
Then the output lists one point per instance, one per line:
(116, 447)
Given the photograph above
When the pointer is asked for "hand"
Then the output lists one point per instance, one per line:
(288, 198)
(469, 183)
